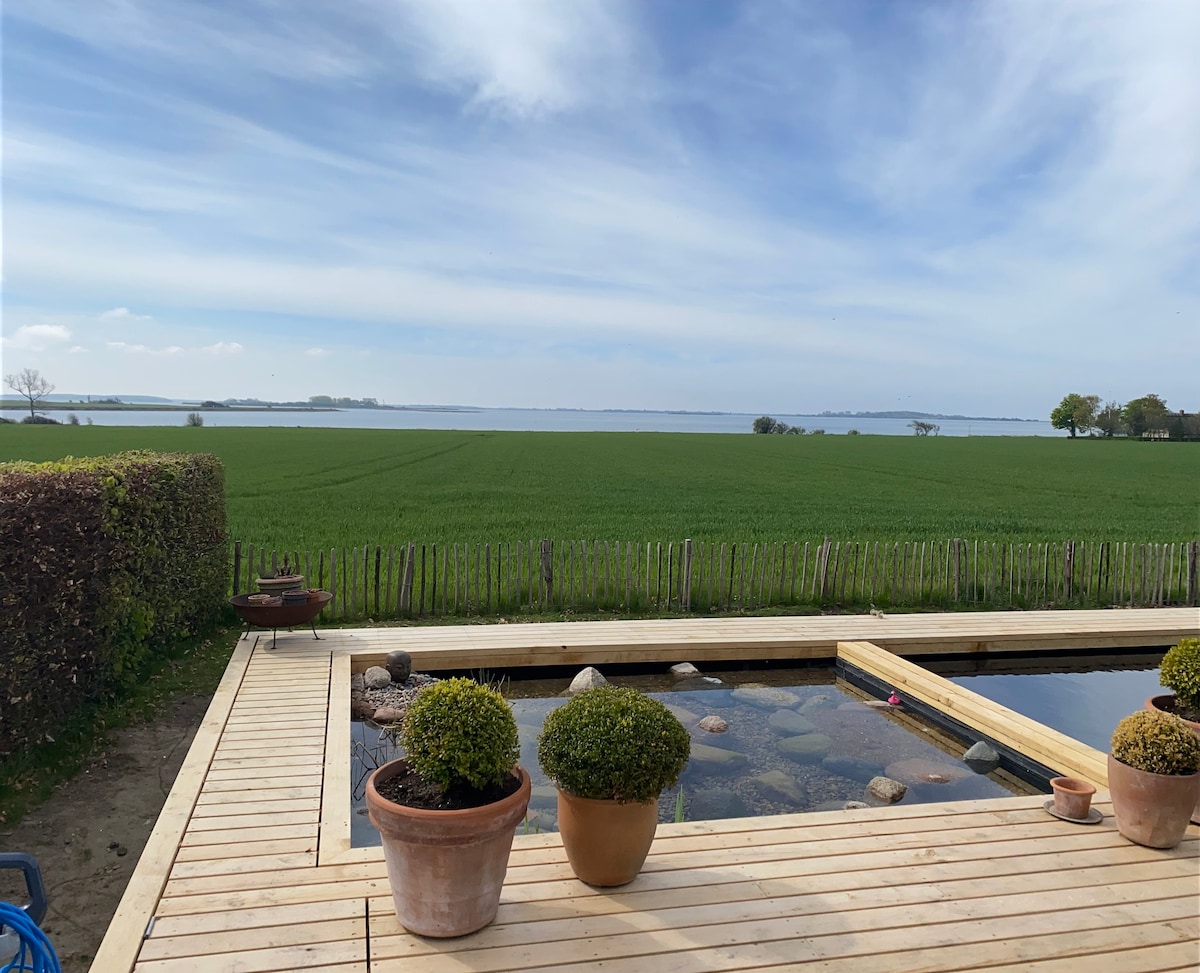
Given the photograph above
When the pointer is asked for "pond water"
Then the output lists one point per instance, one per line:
(798, 740)
(1084, 698)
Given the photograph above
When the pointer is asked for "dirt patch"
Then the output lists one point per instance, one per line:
(88, 837)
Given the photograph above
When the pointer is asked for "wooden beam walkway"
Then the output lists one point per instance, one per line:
(249, 868)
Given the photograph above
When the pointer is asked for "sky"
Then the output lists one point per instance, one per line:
(776, 207)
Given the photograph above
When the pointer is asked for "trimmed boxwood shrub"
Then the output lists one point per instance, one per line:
(1180, 672)
(101, 561)
(1156, 742)
(457, 733)
(611, 743)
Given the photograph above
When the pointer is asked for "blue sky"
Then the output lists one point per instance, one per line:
(760, 207)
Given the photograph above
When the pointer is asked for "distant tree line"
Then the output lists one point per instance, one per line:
(766, 425)
(1146, 417)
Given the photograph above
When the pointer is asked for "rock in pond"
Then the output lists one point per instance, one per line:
(982, 758)
(778, 786)
(589, 678)
(715, 760)
(917, 770)
(715, 802)
(362, 709)
(377, 677)
(807, 749)
(886, 790)
(764, 697)
(387, 715)
(814, 704)
(785, 722)
(713, 724)
(684, 670)
(852, 768)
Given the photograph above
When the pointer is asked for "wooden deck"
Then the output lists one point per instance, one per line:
(249, 867)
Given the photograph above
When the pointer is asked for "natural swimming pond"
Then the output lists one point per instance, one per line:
(797, 740)
(1082, 696)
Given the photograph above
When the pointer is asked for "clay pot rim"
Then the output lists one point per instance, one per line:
(394, 767)
(1072, 785)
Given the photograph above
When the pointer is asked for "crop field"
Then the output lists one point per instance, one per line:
(308, 489)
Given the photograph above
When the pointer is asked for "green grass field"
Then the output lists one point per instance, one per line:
(309, 489)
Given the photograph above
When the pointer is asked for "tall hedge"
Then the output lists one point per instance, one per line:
(103, 561)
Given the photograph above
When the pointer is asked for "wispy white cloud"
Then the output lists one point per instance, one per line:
(123, 314)
(524, 59)
(135, 349)
(77, 350)
(317, 352)
(37, 337)
(223, 348)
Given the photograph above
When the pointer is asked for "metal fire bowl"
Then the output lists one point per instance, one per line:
(279, 616)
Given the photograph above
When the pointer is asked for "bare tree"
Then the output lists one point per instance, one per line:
(920, 428)
(30, 384)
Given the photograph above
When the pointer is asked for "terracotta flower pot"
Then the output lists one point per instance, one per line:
(606, 842)
(1151, 809)
(1072, 797)
(1166, 704)
(446, 868)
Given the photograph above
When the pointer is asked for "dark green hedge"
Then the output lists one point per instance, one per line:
(102, 562)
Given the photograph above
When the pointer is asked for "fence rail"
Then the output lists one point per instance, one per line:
(410, 580)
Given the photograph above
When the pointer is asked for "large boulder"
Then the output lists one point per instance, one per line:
(589, 678)
(715, 760)
(713, 724)
(764, 697)
(786, 722)
(685, 670)
(377, 677)
(807, 749)
(775, 785)
(982, 758)
(716, 802)
(885, 790)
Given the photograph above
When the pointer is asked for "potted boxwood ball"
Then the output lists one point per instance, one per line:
(611, 752)
(1180, 672)
(448, 809)
(1153, 777)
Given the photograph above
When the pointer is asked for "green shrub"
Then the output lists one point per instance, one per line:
(1156, 742)
(1180, 672)
(104, 562)
(613, 743)
(458, 733)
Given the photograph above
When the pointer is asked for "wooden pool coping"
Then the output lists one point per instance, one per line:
(253, 842)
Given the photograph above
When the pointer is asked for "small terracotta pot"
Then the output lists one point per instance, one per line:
(1151, 809)
(446, 868)
(1166, 704)
(1072, 797)
(606, 842)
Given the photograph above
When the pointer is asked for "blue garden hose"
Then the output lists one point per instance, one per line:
(35, 954)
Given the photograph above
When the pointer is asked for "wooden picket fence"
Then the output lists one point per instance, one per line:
(411, 580)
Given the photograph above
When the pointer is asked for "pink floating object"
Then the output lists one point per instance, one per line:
(894, 699)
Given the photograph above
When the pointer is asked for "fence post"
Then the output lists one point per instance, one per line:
(547, 556)
(957, 568)
(1068, 570)
(1192, 582)
(685, 593)
(237, 566)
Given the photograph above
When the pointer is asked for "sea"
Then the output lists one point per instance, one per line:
(555, 420)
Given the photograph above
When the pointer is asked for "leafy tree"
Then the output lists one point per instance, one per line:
(765, 424)
(31, 385)
(1109, 421)
(1144, 414)
(921, 428)
(1076, 413)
